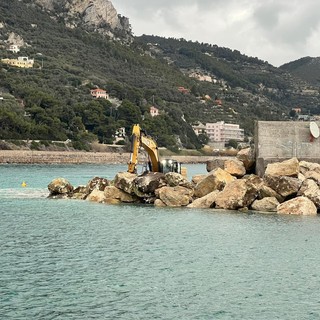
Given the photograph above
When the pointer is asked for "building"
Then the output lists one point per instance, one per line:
(154, 111)
(199, 128)
(220, 131)
(14, 48)
(21, 62)
(99, 93)
(224, 132)
(183, 90)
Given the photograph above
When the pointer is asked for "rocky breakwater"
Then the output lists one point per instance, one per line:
(289, 187)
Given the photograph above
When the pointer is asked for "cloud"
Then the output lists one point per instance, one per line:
(277, 31)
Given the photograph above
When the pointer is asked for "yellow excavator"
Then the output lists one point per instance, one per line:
(140, 138)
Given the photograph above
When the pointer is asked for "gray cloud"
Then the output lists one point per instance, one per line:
(277, 31)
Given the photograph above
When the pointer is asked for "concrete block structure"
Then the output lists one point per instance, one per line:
(281, 140)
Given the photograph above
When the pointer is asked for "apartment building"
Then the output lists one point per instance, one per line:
(220, 131)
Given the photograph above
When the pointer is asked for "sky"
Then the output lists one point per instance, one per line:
(277, 31)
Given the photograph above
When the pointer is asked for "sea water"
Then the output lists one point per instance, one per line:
(72, 259)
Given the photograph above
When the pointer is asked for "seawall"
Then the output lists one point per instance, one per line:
(68, 157)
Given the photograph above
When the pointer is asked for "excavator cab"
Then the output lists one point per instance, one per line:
(169, 165)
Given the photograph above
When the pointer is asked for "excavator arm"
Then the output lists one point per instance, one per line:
(139, 138)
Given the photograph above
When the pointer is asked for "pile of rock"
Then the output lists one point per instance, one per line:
(289, 187)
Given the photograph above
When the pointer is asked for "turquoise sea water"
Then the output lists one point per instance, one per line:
(71, 259)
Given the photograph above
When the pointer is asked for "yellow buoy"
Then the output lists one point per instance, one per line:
(23, 184)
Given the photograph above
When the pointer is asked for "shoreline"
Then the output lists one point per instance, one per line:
(79, 157)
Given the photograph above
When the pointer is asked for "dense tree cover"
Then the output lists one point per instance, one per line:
(52, 101)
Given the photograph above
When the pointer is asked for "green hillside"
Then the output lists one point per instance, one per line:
(52, 101)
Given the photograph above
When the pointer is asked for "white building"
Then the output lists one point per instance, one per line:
(14, 48)
(223, 132)
(154, 111)
(220, 131)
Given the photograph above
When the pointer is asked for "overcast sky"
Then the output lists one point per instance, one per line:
(277, 31)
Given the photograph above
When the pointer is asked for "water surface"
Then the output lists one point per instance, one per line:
(71, 259)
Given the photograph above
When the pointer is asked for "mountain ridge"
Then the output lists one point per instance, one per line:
(143, 72)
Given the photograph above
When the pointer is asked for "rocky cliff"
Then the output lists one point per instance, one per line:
(99, 15)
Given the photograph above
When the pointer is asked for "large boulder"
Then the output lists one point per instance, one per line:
(96, 196)
(60, 186)
(283, 185)
(144, 186)
(267, 192)
(289, 168)
(112, 194)
(236, 194)
(214, 164)
(268, 204)
(174, 179)
(311, 190)
(197, 178)
(97, 183)
(79, 193)
(215, 180)
(174, 196)
(314, 175)
(308, 166)
(124, 181)
(235, 167)
(247, 157)
(299, 206)
(205, 202)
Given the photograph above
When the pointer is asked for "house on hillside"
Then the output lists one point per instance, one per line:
(154, 111)
(199, 128)
(14, 48)
(21, 62)
(183, 90)
(99, 93)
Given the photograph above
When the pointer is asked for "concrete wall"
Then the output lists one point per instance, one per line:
(281, 140)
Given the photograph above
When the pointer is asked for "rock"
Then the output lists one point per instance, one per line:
(299, 206)
(214, 164)
(268, 204)
(197, 178)
(308, 166)
(94, 13)
(96, 196)
(97, 183)
(311, 190)
(114, 193)
(144, 186)
(174, 196)
(79, 193)
(174, 179)
(159, 203)
(236, 194)
(205, 202)
(285, 186)
(235, 167)
(289, 168)
(60, 186)
(215, 180)
(313, 175)
(267, 192)
(255, 180)
(247, 157)
(124, 181)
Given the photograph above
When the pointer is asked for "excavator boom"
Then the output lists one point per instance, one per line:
(139, 138)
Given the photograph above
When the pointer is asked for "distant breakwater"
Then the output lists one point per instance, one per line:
(74, 157)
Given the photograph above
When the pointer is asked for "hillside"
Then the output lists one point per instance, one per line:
(52, 100)
(306, 68)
